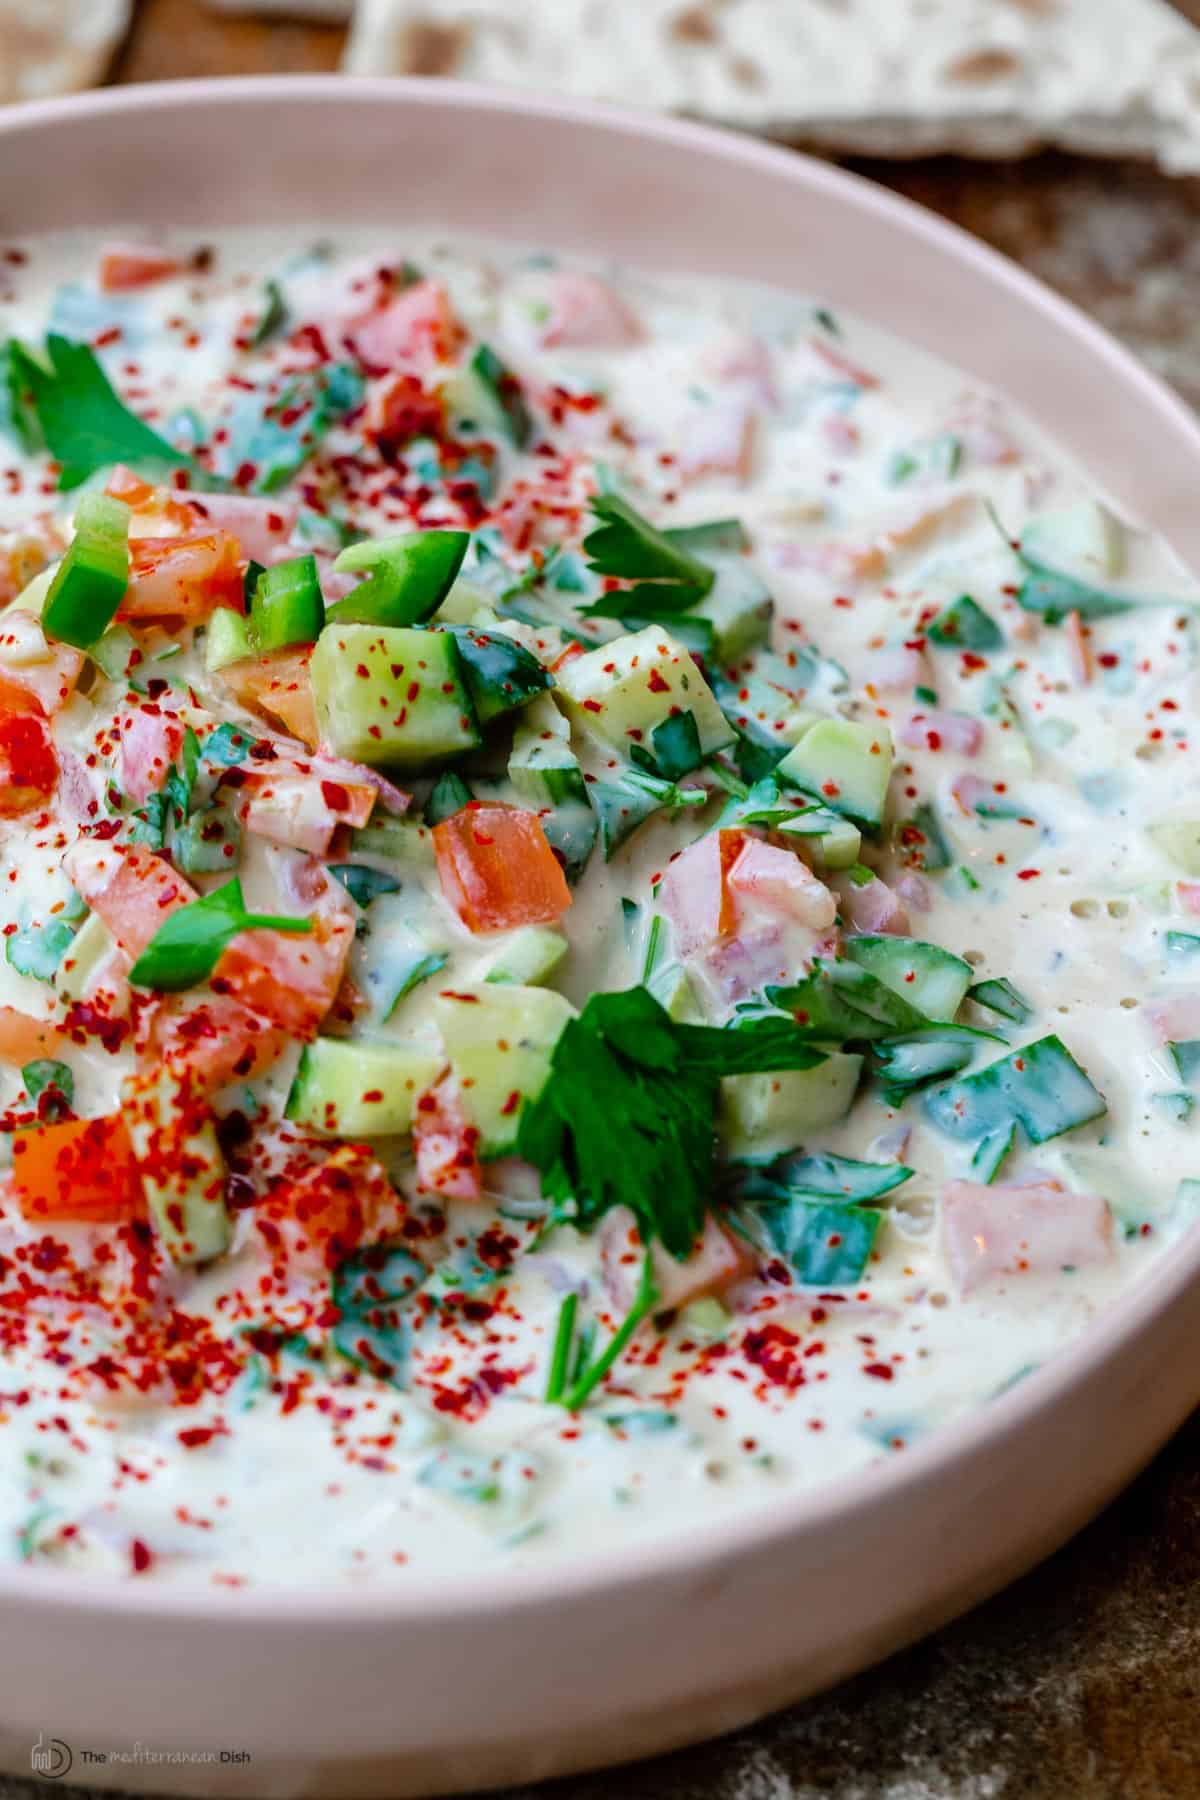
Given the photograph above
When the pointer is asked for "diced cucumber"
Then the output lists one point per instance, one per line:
(90, 581)
(113, 654)
(408, 577)
(1000, 996)
(1083, 540)
(531, 955)
(542, 767)
(485, 399)
(391, 695)
(499, 1039)
(1179, 841)
(923, 838)
(710, 537)
(825, 1246)
(738, 605)
(1182, 946)
(625, 690)
(394, 840)
(501, 674)
(226, 639)
(355, 1088)
(769, 715)
(672, 988)
(463, 604)
(286, 605)
(935, 980)
(761, 1115)
(844, 764)
(831, 842)
(180, 1161)
(90, 949)
(1041, 1087)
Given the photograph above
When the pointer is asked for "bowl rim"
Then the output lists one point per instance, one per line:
(768, 1523)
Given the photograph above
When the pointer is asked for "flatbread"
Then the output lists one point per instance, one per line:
(53, 46)
(895, 77)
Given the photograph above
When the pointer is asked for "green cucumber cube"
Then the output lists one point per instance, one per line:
(391, 695)
(934, 980)
(543, 768)
(499, 1040)
(530, 956)
(182, 1168)
(408, 577)
(738, 606)
(349, 1088)
(625, 690)
(845, 764)
(227, 639)
(762, 1115)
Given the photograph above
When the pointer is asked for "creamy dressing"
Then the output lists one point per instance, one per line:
(282, 1463)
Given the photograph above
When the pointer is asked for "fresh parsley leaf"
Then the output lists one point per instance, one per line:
(188, 944)
(819, 1175)
(668, 578)
(18, 420)
(624, 1072)
(592, 1374)
(841, 1003)
(85, 426)
(274, 315)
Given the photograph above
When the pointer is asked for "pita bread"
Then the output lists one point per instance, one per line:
(895, 77)
(53, 46)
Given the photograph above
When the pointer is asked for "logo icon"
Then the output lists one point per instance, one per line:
(50, 1758)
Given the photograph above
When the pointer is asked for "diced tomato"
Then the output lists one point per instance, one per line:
(28, 660)
(83, 1169)
(277, 687)
(303, 810)
(262, 525)
(419, 326)
(402, 410)
(182, 577)
(717, 1259)
(127, 266)
(318, 1218)
(718, 439)
(124, 484)
(496, 869)
(695, 893)
(585, 313)
(24, 1039)
(28, 762)
(131, 888)
(291, 980)
(446, 1146)
(150, 742)
(776, 880)
(214, 1040)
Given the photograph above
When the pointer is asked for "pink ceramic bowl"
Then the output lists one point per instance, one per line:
(436, 1685)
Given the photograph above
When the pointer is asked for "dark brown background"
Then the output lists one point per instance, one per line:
(1083, 1681)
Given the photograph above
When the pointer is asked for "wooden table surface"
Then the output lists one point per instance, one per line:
(1083, 1681)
